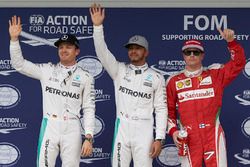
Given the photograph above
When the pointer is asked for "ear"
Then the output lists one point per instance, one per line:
(146, 53)
(202, 56)
(77, 51)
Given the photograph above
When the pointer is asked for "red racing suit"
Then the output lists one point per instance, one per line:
(199, 99)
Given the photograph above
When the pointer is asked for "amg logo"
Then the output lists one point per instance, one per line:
(62, 93)
(134, 93)
(119, 154)
(46, 153)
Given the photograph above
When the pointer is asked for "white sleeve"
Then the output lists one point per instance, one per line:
(88, 105)
(20, 64)
(104, 55)
(160, 105)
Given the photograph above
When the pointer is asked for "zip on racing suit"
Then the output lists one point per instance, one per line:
(137, 97)
(65, 92)
(199, 99)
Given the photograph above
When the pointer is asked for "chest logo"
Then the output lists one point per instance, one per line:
(206, 81)
(182, 84)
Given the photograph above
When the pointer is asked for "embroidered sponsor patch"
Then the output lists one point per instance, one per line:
(196, 94)
(206, 81)
(76, 84)
(149, 84)
(182, 84)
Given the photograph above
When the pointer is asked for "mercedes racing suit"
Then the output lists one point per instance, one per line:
(139, 91)
(199, 99)
(65, 92)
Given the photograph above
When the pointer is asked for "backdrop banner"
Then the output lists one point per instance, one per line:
(165, 28)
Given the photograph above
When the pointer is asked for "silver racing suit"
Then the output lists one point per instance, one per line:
(65, 92)
(139, 91)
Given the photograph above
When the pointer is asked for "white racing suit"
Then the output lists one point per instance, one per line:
(139, 91)
(65, 93)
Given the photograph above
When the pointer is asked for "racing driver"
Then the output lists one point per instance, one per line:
(66, 90)
(139, 92)
(197, 92)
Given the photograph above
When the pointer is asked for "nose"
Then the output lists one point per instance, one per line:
(192, 53)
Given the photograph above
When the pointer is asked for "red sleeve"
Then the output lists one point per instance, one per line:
(238, 60)
(171, 103)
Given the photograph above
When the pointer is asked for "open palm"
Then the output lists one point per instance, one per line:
(15, 27)
(97, 14)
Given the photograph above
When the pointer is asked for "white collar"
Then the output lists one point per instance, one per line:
(191, 74)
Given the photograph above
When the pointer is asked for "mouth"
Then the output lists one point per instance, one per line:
(64, 55)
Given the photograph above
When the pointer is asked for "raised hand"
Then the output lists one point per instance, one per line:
(97, 14)
(227, 34)
(15, 28)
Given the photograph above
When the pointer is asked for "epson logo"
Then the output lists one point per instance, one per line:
(9, 154)
(9, 96)
(169, 156)
(203, 22)
(92, 65)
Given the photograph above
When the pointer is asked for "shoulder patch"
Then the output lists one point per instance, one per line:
(215, 66)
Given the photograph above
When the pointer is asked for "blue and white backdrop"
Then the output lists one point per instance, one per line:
(165, 28)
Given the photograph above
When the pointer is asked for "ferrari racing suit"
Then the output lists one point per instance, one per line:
(198, 97)
(139, 91)
(66, 90)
